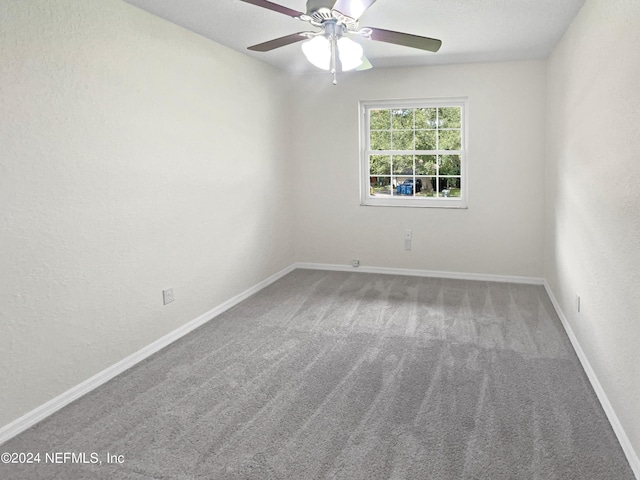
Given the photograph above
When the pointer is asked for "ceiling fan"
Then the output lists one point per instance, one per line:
(336, 19)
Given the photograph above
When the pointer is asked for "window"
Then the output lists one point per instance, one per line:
(414, 153)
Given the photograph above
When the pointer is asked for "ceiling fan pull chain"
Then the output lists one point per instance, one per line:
(333, 58)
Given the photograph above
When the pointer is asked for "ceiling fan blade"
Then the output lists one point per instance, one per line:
(279, 42)
(275, 7)
(353, 8)
(366, 64)
(405, 39)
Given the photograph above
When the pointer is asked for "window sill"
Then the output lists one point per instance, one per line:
(414, 203)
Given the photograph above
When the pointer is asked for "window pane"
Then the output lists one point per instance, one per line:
(453, 185)
(381, 140)
(403, 164)
(427, 186)
(449, 187)
(449, 117)
(424, 186)
(450, 165)
(402, 140)
(380, 119)
(380, 186)
(402, 118)
(449, 140)
(412, 185)
(425, 139)
(380, 165)
(404, 186)
(425, 117)
(425, 165)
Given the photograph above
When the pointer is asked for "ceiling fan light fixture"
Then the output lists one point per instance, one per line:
(318, 52)
(350, 53)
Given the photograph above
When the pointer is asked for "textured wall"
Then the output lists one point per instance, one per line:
(500, 232)
(135, 156)
(593, 173)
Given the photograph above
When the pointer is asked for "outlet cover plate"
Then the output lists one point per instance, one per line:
(167, 296)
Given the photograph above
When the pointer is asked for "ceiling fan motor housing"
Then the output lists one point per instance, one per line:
(320, 12)
(320, 7)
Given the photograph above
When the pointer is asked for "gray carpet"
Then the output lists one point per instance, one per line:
(329, 375)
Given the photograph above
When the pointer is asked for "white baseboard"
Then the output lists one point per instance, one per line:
(40, 413)
(21, 424)
(625, 443)
(422, 273)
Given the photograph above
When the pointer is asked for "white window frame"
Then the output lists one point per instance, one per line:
(365, 151)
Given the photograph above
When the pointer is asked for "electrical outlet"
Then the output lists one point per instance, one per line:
(355, 263)
(407, 239)
(167, 296)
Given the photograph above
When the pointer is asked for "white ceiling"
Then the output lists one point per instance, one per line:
(470, 30)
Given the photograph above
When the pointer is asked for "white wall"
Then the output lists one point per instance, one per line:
(135, 156)
(502, 230)
(593, 199)
(122, 138)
